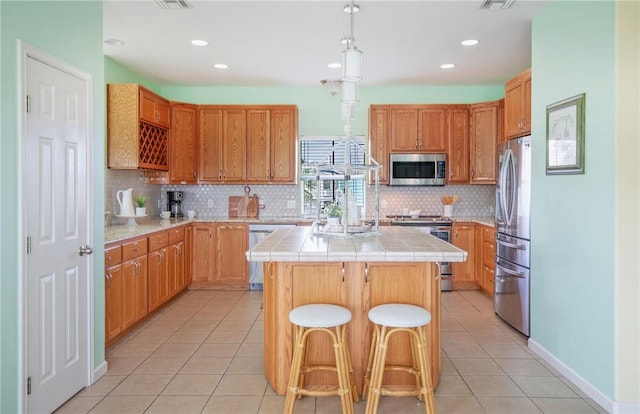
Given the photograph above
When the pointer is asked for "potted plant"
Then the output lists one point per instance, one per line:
(334, 213)
(140, 200)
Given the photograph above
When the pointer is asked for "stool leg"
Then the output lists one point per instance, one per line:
(342, 368)
(294, 372)
(352, 374)
(426, 385)
(415, 346)
(373, 398)
(372, 349)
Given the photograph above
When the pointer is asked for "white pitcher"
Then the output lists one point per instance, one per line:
(125, 199)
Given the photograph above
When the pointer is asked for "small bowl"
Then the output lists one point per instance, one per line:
(165, 215)
(415, 213)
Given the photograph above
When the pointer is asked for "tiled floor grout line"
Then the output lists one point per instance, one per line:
(467, 317)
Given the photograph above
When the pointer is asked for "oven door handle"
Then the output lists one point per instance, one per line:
(510, 272)
(512, 245)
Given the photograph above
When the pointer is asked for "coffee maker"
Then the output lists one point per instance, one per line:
(174, 204)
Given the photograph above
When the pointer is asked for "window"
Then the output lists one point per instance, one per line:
(329, 151)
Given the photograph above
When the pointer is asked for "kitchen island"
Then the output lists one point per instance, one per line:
(398, 265)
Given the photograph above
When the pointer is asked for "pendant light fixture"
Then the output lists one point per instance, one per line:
(351, 56)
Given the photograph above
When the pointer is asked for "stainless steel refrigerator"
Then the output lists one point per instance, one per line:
(513, 196)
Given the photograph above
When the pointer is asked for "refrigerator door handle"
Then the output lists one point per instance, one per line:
(512, 245)
(510, 272)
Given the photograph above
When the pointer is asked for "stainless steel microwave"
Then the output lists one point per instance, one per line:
(417, 169)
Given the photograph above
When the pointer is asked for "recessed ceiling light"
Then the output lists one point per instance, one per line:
(221, 66)
(347, 8)
(470, 42)
(335, 65)
(114, 42)
(198, 42)
(447, 65)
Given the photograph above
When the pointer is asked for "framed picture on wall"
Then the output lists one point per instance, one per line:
(565, 136)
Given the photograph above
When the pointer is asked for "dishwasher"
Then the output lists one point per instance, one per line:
(257, 233)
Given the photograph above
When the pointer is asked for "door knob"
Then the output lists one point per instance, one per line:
(84, 249)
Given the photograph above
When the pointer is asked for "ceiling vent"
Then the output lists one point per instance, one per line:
(496, 4)
(174, 4)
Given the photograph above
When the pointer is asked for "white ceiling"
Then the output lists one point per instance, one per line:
(290, 43)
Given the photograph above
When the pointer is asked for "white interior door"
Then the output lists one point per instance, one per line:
(56, 206)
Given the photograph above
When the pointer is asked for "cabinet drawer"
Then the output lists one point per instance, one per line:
(134, 249)
(158, 241)
(488, 276)
(176, 235)
(489, 253)
(488, 234)
(112, 256)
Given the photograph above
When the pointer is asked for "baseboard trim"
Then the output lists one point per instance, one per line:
(585, 386)
(99, 371)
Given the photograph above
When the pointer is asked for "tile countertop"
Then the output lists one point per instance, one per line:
(152, 225)
(486, 220)
(393, 244)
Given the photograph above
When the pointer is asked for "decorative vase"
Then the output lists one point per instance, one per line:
(141, 211)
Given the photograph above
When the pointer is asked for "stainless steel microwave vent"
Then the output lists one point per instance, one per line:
(174, 4)
(496, 4)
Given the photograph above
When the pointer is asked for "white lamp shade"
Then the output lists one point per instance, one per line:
(352, 65)
(349, 93)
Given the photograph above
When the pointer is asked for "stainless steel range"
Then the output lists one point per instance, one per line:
(437, 226)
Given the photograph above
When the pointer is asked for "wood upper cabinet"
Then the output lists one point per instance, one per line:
(463, 273)
(418, 128)
(210, 143)
(379, 131)
(517, 105)
(182, 144)
(271, 144)
(222, 139)
(458, 137)
(404, 129)
(432, 129)
(484, 139)
(234, 133)
(154, 108)
(232, 241)
(132, 140)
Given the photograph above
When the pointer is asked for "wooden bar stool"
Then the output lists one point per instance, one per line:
(390, 319)
(332, 320)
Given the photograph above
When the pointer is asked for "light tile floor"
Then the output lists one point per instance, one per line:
(203, 354)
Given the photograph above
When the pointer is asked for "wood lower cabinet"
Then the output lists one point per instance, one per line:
(134, 282)
(517, 105)
(188, 249)
(158, 269)
(141, 275)
(232, 242)
(183, 144)
(463, 273)
(113, 292)
(357, 286)
(484, 141)
(486, 257)
(219, 259)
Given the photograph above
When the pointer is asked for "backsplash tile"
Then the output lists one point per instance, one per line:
(473, 200)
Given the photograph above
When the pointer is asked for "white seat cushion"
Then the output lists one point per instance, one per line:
(320, 315)
(399, 315)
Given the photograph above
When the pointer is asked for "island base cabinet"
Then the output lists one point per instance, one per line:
(358, 287)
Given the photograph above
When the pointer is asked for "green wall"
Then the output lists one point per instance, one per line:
(319, 112)
(573, 249)
(72, 32)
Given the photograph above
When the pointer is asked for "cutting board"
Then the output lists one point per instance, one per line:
(244, 206)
